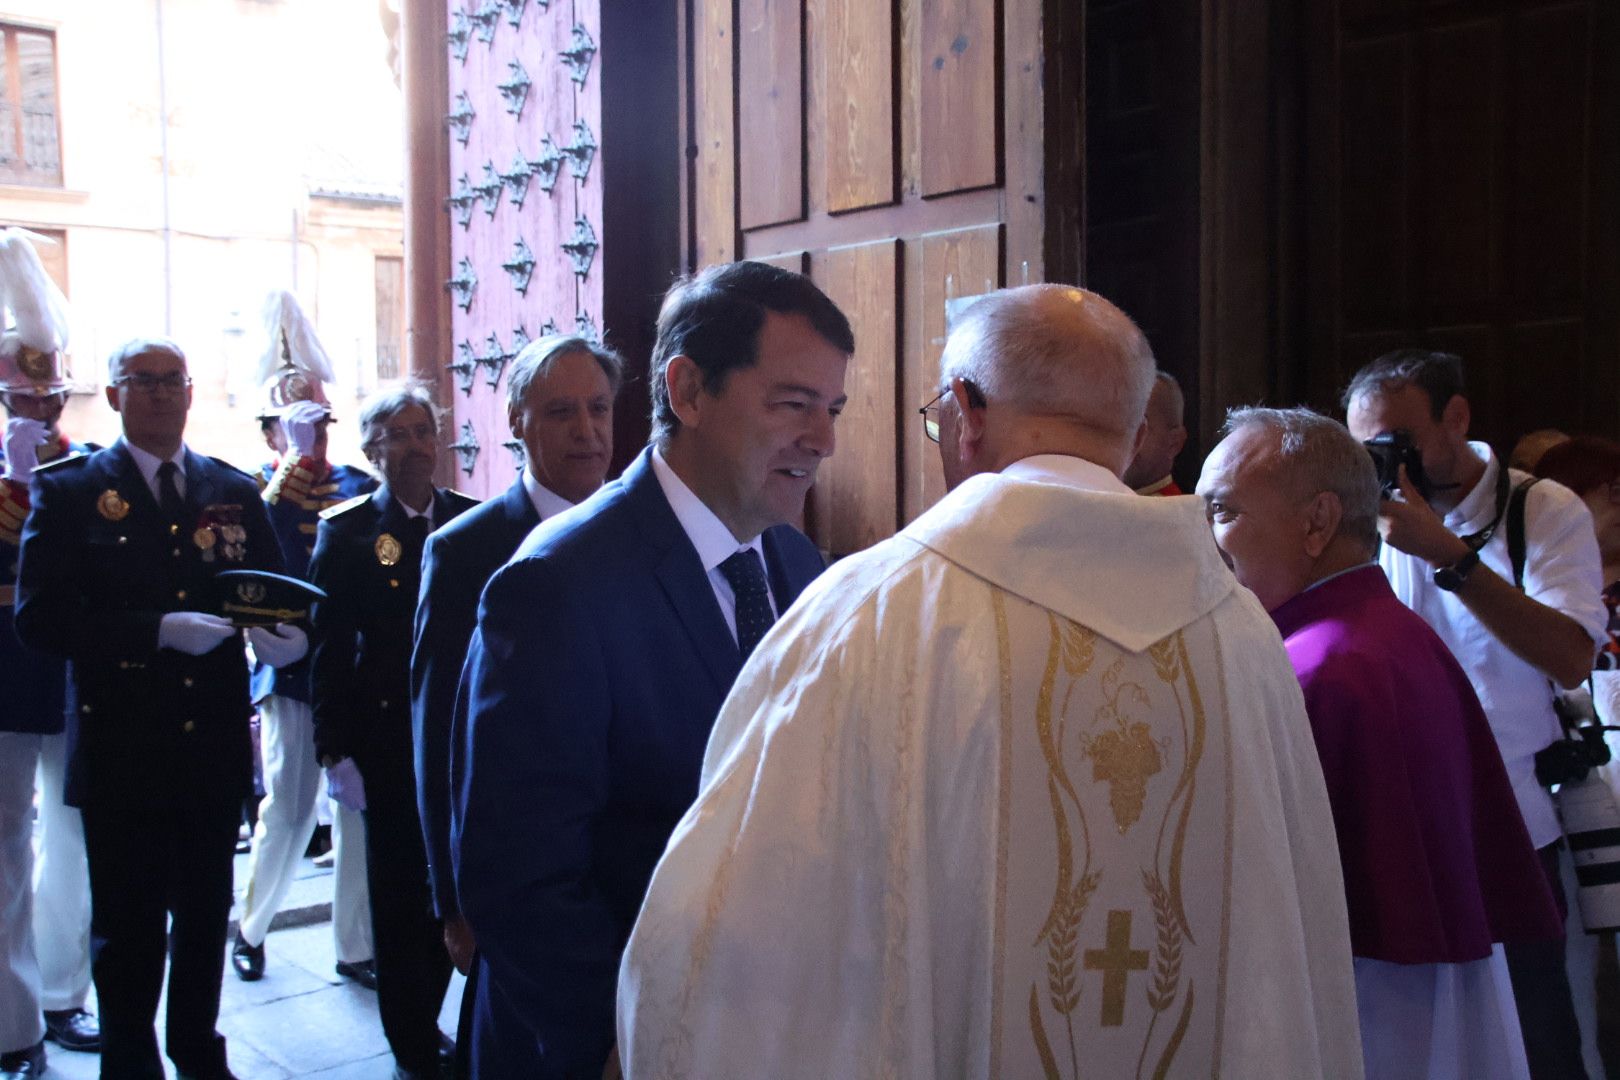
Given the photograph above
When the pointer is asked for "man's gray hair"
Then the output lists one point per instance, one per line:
(1319, 454)
(1054, 350)
(134, 347)
(536, 359)
(388, 403)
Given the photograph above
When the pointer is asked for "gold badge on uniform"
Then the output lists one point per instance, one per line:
(112, 506)
(388, 549)
(204, 538)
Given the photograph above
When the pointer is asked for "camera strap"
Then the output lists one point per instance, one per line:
(1477, 540)
(1515, 531)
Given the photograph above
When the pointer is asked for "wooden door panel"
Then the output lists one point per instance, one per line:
(1457, 166)
(957, 71)
(1547, 159)
(856, 494)
(1374, 189)
(939, 267)
(712, 136)
(770, 107)
(858, 105)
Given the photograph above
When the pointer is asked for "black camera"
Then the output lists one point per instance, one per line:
(1583, 749)
(1389, 452)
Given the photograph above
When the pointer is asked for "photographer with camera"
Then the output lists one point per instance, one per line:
(1447, 522)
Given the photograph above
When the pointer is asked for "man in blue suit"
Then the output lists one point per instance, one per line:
(559, 403)
(606, 646)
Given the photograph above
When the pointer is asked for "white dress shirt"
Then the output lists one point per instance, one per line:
(547, 503)
(1068, 471)
(711, 538)
(1561, 570)
(149, 464)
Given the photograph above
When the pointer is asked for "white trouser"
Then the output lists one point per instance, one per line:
(1439, 1021)
(292, 783)
(61, 887)
(21, 1024)
(351, 898)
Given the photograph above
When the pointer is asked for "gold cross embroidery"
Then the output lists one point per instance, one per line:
(1116, 962)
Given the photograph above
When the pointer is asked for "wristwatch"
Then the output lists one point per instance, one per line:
(1450, 578)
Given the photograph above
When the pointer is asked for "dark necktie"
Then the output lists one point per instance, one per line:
(415, 534)
(169, 500)
(746, 575)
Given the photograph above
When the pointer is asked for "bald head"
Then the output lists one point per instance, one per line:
(1164, 433)
(1060, 369)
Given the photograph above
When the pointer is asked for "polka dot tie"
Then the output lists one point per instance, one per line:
(746, 575)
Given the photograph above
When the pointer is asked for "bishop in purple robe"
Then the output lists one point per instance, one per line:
(1438, 867)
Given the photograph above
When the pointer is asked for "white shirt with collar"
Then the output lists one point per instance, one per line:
(149, 464)
(711, 538)
(1069, 471)
(1562, 570)
(547, 503)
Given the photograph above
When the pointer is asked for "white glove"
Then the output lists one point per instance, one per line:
(301, 422)
(343, 783)
(24, 437)
(280, 645)
(193, 632)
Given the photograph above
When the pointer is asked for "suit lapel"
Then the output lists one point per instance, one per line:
(201, 485)
(126, 479)
(680, 573)
(518, 508)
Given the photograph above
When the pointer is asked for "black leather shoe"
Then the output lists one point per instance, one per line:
(23, 1064)
(248, 960)
(363, 972)
(73, 1029)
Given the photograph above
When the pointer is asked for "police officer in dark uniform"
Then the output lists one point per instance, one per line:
(119, 556)
(368, 558)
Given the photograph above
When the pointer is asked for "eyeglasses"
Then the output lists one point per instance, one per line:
(930, 411)
(151, 384)
(396, 436)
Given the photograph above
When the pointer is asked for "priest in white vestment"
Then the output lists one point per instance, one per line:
(1026, 791)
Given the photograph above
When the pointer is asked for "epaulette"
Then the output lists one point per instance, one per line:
(222, 463)
(344, 507)
(66, 459)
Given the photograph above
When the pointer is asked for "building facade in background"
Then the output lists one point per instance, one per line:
(280, 166)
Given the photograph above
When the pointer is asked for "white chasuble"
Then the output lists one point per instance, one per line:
(1027, 791)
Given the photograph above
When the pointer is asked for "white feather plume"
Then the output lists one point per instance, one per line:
(37, 311)
(284, 319)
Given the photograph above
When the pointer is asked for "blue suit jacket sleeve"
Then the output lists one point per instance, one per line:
(445, 617)
(533, 778)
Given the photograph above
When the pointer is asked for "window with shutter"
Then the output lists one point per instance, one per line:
(30, 128)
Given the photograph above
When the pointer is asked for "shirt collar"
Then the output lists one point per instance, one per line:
(1069, 471)
(547, 503)
(709, 535)
(149, 464)
(1157, 486)
(1339, 574)
(1477, 509)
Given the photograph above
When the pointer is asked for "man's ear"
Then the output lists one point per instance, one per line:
(970, 418)
(112, 397)
(1136, 443)
(683, 380)
(1181, 442)
(514, 420)
(1456, 417)
(1322, 522)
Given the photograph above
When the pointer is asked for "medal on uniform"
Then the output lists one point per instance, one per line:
(203, 538)
(388, 549)
(112, 506)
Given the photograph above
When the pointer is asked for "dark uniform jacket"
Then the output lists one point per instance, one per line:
(101, 567)
(368, 559)
(35, 683)
(295, 499)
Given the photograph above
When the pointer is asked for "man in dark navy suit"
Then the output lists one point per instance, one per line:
(559, 403)
(606, 646)
(368, 559)
(119, 555)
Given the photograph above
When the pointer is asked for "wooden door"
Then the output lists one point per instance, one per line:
(896, 152)
(1464, 190)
